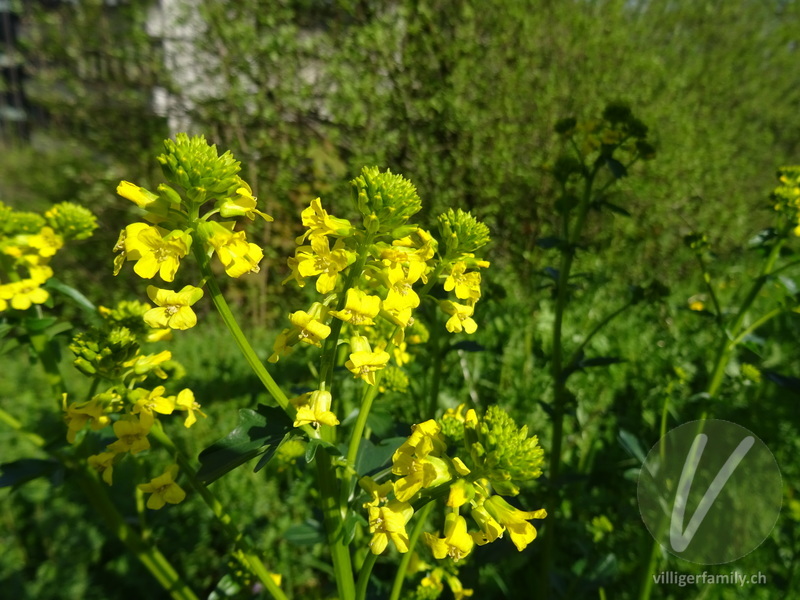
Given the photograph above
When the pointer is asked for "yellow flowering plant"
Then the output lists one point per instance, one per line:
(382, 285)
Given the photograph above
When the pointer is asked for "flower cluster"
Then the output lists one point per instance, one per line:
(373, 276)
(786, 197)
(476, 461)
(28, 241)
(598, 140)
(202, 185)
(130, 404)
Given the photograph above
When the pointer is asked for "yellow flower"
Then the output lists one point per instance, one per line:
(378, 492)
(185, 401)
(696, 305)
(363, 361)
(154, 249)
(461, 319)
(322, 261)
(417, 473)
(40, 273)
(514, 520)
(163, 489)
(77, 415)
(150, 363)
(360, 308)
(237, 255)
(459, 592)
(320, 223)
(103, 463)
(456, 543)
(46, 243)
(400, 281)
(314, 408)
(22, 294)
(312, 331)
(132, 435)
(490, 529)
(174, 308)
(138, 195)
(425, 438)
(152, 402)
(243, 204)
(461, 492)
(467, 286)
(389, 523)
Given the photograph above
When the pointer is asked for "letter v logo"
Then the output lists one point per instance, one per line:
(680, 539)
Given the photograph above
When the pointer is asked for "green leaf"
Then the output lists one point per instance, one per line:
(600, 361)
(37, 325)
(259, 432)
(380, 421)
(351, 521)
(373, 458)
(550, 242)
(26, 469)
(314, 444)
(784, 381)
(227, 587)
(70, 292)
(617, 169)
(305, 534)
(632, 445)
(614, 208)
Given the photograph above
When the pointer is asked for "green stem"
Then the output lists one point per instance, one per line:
(756, 324)
(710, 288)
(728, 344)
(576, 354)
(400, 576)
(334, 513)
(557, 375)
(363, 576)
(149, 556)
(247, 555)
(241, 340)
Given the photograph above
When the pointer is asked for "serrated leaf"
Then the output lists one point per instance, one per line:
(258, 432)
(632, 445)
(372, 458)
(305, 534)
(24, 470)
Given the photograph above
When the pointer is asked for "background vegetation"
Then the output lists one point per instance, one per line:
(462, 98)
